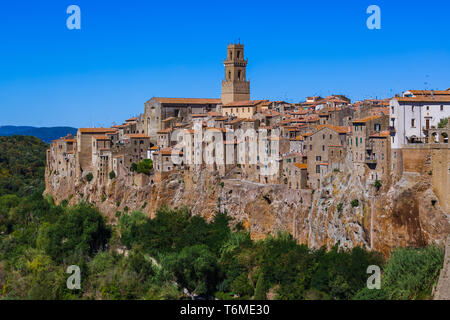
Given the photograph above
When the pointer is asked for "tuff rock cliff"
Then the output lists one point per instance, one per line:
(404, 214)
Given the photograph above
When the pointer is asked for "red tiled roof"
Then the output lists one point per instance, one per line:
(96, 130)
(138, 136)
(187, 100)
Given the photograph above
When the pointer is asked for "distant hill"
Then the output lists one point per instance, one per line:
(45, 134)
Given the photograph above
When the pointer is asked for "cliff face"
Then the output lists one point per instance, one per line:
(405, 214)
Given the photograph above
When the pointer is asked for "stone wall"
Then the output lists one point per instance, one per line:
(440, 169)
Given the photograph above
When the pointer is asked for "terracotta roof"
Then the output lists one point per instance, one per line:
(301, 165)
(168, 119)
(138, 136)
(240, 103)
(154, 148)
(366, 119)
(198, 115)
(71, 140)
(101, 137)
(167, 130)
(382, 134)
(168, 151)
(214, 114)
(436, 98)
(428, 92)
(96, 130)
(324, 164)
(131, 119)
(338, 129)
(237, 120)
(187, 100)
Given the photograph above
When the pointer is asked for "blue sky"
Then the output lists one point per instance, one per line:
(129, 51)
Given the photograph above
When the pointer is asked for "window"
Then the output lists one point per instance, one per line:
(412, 108)
(413, 123)
(392, 110)
(239, 54)
(442, 107)
(428, 108)
(318, 168)
(323, 137)
(310, 147)
(323, 148)
(318, 158)
(239, 74)
(331, 136)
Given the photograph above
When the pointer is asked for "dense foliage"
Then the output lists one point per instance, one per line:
(22, 164)
(177, 255)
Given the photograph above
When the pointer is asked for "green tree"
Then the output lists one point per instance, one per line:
(82, 231)
(260, 290)
(194, 268)
(145, 166)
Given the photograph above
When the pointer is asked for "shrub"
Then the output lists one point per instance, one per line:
(355, 203)
(260, 290)
(377, 184)
(145, 166)
(112, 175)
(133, 167)
(412, 273)
(340, 206)
(89, 177)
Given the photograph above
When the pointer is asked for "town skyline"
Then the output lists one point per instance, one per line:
(101, 74)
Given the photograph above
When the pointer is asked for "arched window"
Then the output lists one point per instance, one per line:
(239, 74)
(231, 55)
(229, 75)
(239, 54)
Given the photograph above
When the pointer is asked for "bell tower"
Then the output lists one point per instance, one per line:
(235, 87)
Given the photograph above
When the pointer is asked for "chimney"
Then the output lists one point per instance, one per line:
(432, 94)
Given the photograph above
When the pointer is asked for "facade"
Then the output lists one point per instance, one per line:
(412, 115)
(235, 87)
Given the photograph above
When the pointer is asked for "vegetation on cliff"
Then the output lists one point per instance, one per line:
(177, 255)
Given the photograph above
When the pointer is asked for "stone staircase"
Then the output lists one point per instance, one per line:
(443, 287)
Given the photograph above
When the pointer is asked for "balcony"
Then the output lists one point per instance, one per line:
(392, 130)
(371, 160)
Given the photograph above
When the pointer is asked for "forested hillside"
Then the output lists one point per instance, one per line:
(175, 255)
(46, 134)
(22, 165)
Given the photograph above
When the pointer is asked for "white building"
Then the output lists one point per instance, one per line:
(413, 114)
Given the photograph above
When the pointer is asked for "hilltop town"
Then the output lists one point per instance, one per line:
(374, 173)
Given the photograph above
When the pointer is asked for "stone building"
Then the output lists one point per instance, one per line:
(235, 87)
(159, 109)
(317, 146)
(84, 147)
(418, 111)
(360, 150)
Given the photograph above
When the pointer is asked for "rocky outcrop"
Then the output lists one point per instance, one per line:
(342, 211)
